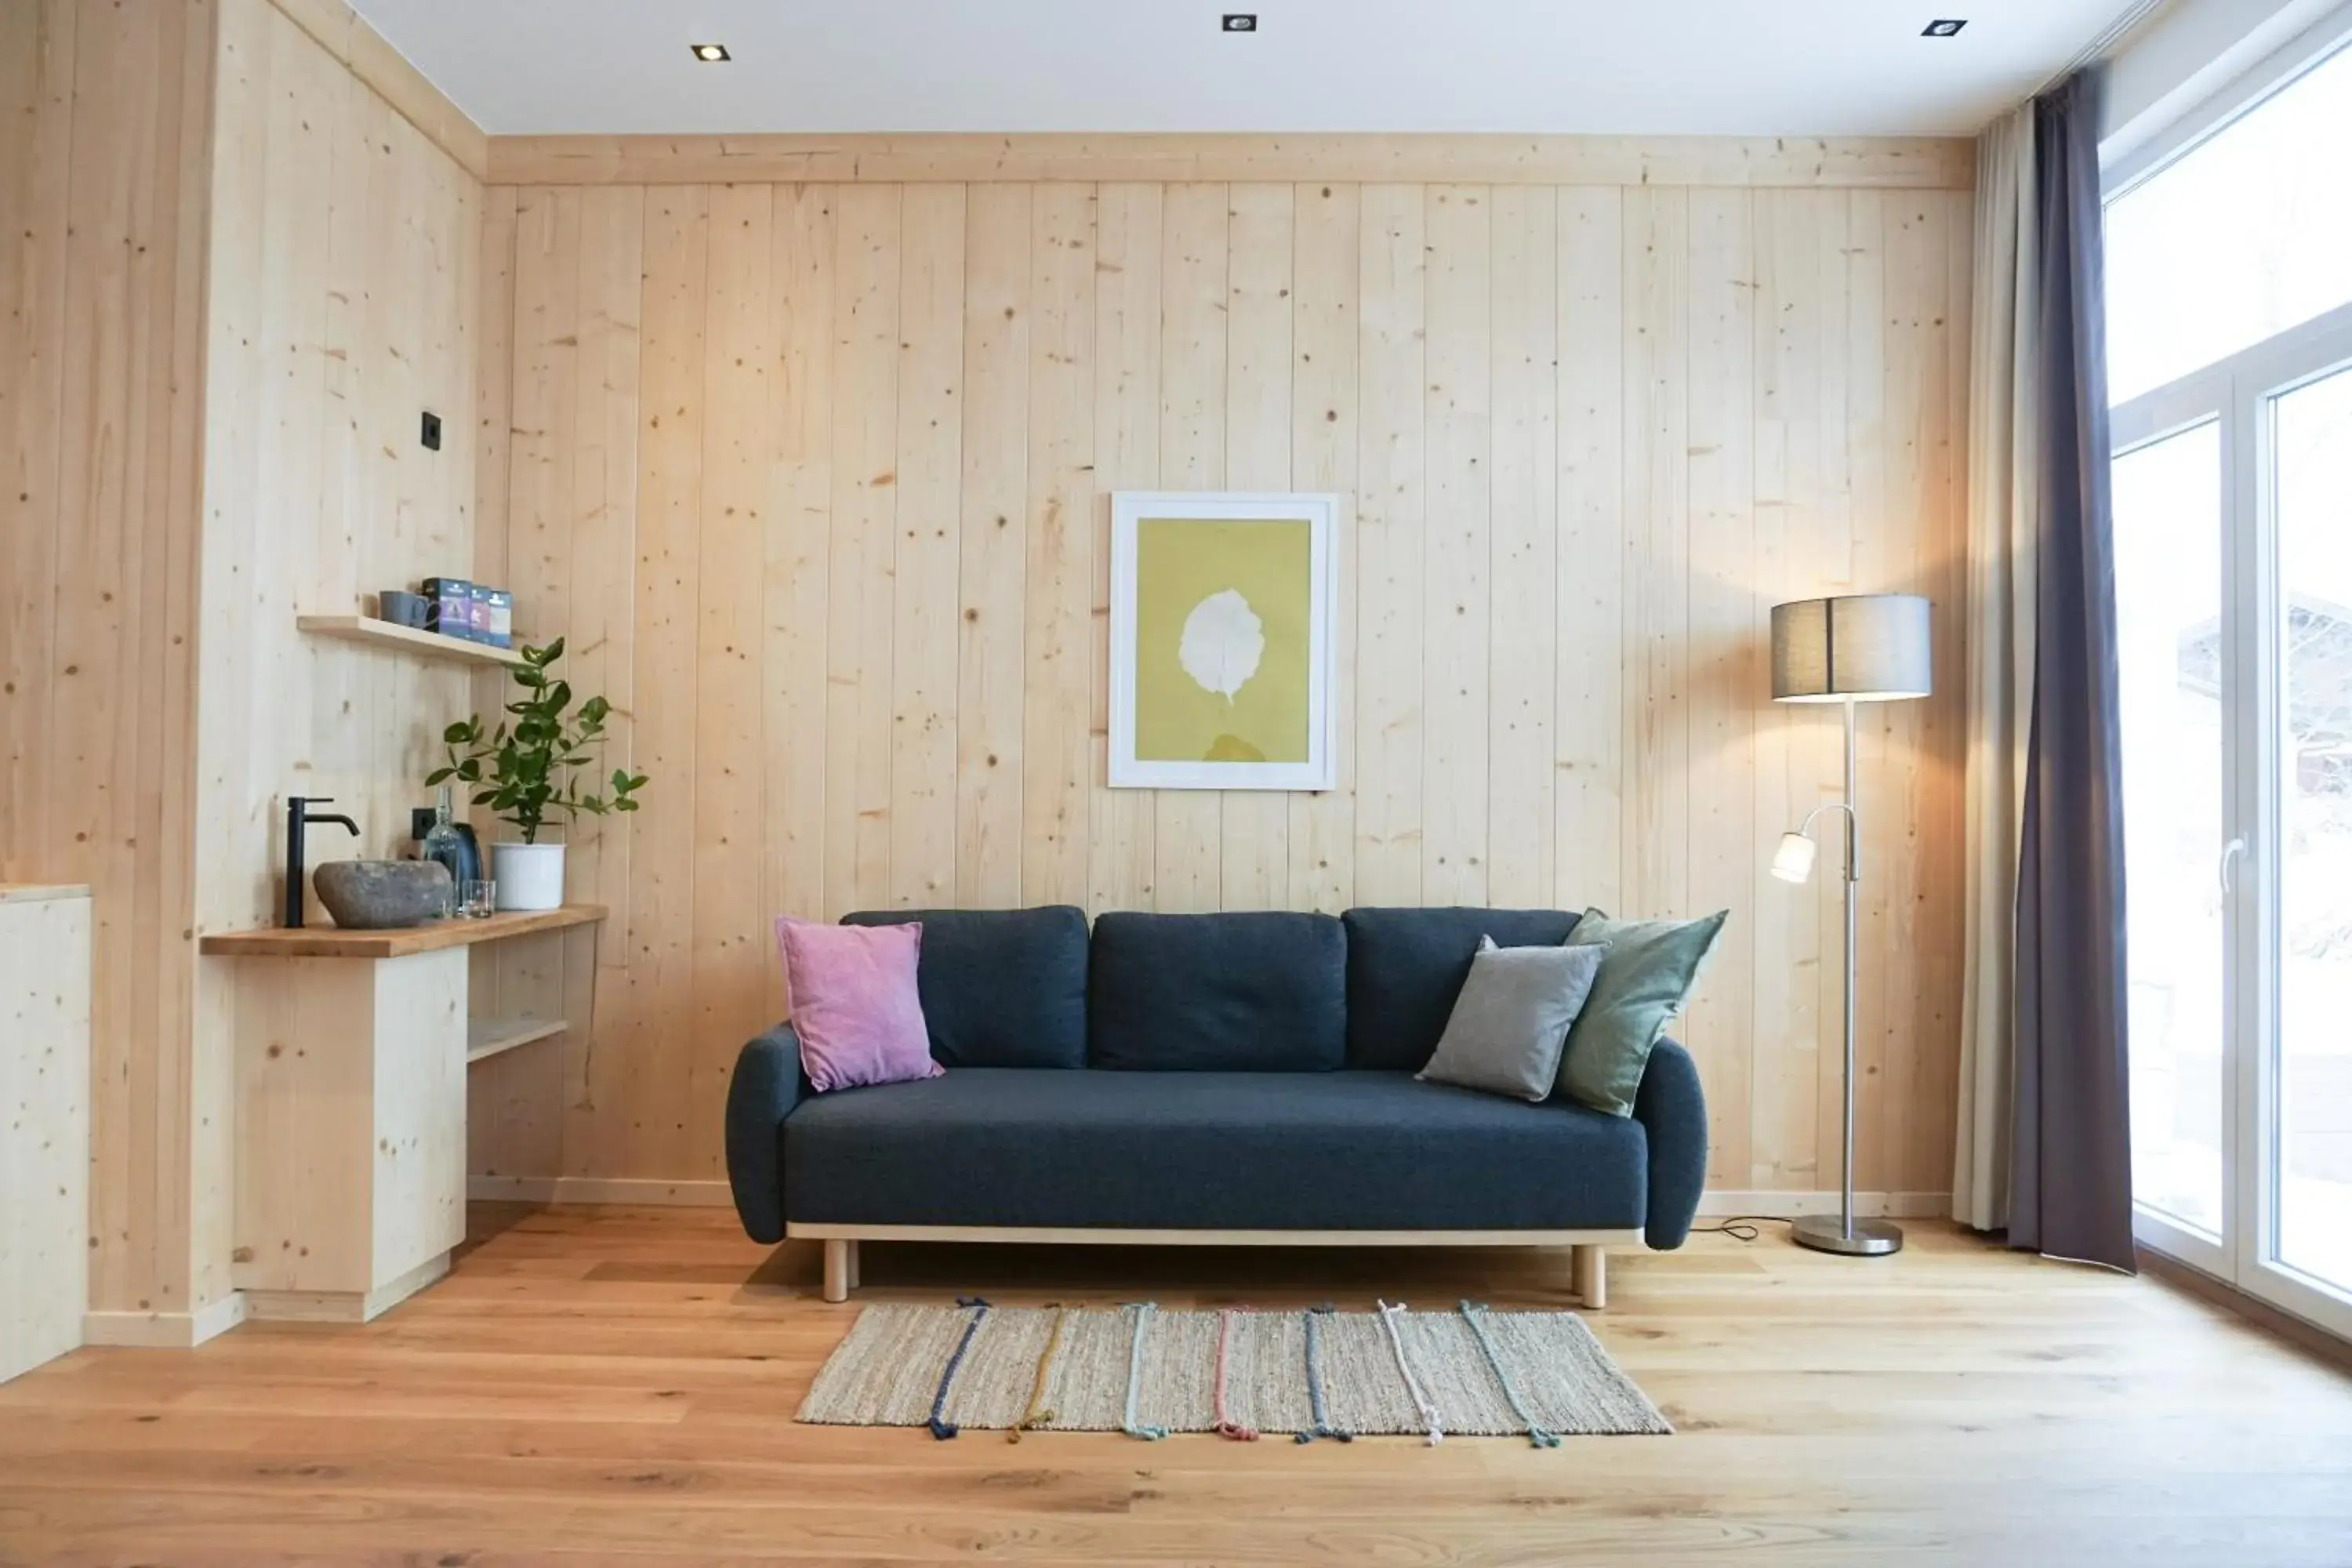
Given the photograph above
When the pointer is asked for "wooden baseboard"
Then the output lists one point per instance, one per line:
(1715, 1205)
(164, 1331)
(1093, 1235)
(343, 1306)
(621, 1189)
(2280, 1324)
(1720, 1204)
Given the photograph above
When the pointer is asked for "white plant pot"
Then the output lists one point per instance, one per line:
(529, 876)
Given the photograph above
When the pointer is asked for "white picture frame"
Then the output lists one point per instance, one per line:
(1322, 513)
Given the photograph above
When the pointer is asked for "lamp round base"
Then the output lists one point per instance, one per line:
(1826, 1233)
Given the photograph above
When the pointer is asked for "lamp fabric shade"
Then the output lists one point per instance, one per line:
(1864, 648)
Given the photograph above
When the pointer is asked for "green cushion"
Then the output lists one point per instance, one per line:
(1644, 980)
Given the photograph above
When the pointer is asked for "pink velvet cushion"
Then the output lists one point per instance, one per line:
(854, 1002)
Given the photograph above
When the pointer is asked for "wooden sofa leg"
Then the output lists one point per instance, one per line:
(840, 1269)
(1591, 1269)
(855, 1278)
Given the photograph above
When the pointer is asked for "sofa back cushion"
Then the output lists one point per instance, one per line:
(1405, 967)
(1233, 993)
(1001, 988)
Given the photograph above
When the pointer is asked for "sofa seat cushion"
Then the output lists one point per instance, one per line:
(1001, 988)
(1219, 1150)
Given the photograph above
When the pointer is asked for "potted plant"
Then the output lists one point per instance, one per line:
(529, 771)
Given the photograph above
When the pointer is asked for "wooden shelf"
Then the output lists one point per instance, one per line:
(332, 941)
(406, 639)
(486, 1037)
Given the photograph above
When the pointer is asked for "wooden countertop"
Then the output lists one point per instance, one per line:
(331, 941)
(40, 893)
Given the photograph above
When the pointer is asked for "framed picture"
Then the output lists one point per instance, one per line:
(1223, 613)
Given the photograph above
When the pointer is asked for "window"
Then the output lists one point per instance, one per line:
(2230, 361)
(2244, 235)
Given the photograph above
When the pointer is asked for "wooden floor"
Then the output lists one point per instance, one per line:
(618, 1386)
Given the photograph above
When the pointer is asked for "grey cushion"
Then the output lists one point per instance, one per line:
(1241, 1151)
(1511, 1020)
(1405, 967)
(1001, 988)
(1257, 992)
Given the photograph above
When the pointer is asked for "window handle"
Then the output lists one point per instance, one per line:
(2229, 853)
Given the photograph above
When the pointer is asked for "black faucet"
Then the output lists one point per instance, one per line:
(297, 817)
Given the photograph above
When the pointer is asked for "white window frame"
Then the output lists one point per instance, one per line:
(2240, 392)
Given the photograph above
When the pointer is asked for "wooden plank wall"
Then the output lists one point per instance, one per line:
(814, 477)
(343, 304)
(226, 301)
(103, 113)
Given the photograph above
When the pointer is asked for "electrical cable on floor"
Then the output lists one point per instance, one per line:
(1742, 1226)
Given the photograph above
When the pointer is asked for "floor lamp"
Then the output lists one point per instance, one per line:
(1864, 647)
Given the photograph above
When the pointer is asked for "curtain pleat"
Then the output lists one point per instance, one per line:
(2004, 525)
(2070, 1165)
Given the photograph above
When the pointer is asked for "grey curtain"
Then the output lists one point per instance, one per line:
(2070, 1180)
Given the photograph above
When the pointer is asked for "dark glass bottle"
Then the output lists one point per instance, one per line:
(445, 844)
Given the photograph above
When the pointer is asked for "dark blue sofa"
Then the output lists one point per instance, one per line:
(1227, 1078)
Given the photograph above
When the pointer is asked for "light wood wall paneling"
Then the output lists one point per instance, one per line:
(925, 566)
(36, 77)
(1726, 664)
(1915, 162)
(1054, 686)
(601, 632)
(1254, 851)
(261, 270)
(1590, 434)
(738, 371)
(1884, 474)
(1523, 474)
(861, 611)
(103, 198)
(1121, 852)
(1390, 526)
(985, 721)
(45, 1089)
(796, 573)
(1188, 832)
(345, 35)
(1455, 569)
(1326, 272)
(636, 1104)
(344, 267)
(1594, 562)
(1655, 842)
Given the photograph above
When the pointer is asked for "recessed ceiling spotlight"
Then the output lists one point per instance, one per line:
(1241, 22)
(1946, 27)
(716, 54)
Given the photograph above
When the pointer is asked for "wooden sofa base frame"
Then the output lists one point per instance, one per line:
(1591, 1247)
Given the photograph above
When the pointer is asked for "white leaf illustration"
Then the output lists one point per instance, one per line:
(1224, 640)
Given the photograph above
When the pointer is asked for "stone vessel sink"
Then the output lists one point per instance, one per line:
(382, 895)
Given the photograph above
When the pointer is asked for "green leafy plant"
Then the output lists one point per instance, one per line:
(530, 770)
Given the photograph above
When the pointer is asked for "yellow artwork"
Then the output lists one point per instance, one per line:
(1223, 622)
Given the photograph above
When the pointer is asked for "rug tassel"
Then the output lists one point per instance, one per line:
(1130, 1426)
(1389, 1318)
(1033, 1417)
(1321, 1427)
(1226, 1426)
(1473, 1313)
(942, 1429)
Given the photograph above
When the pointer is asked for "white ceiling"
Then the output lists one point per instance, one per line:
(1631, 66)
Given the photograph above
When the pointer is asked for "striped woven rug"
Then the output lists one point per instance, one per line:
(1283, 1374)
